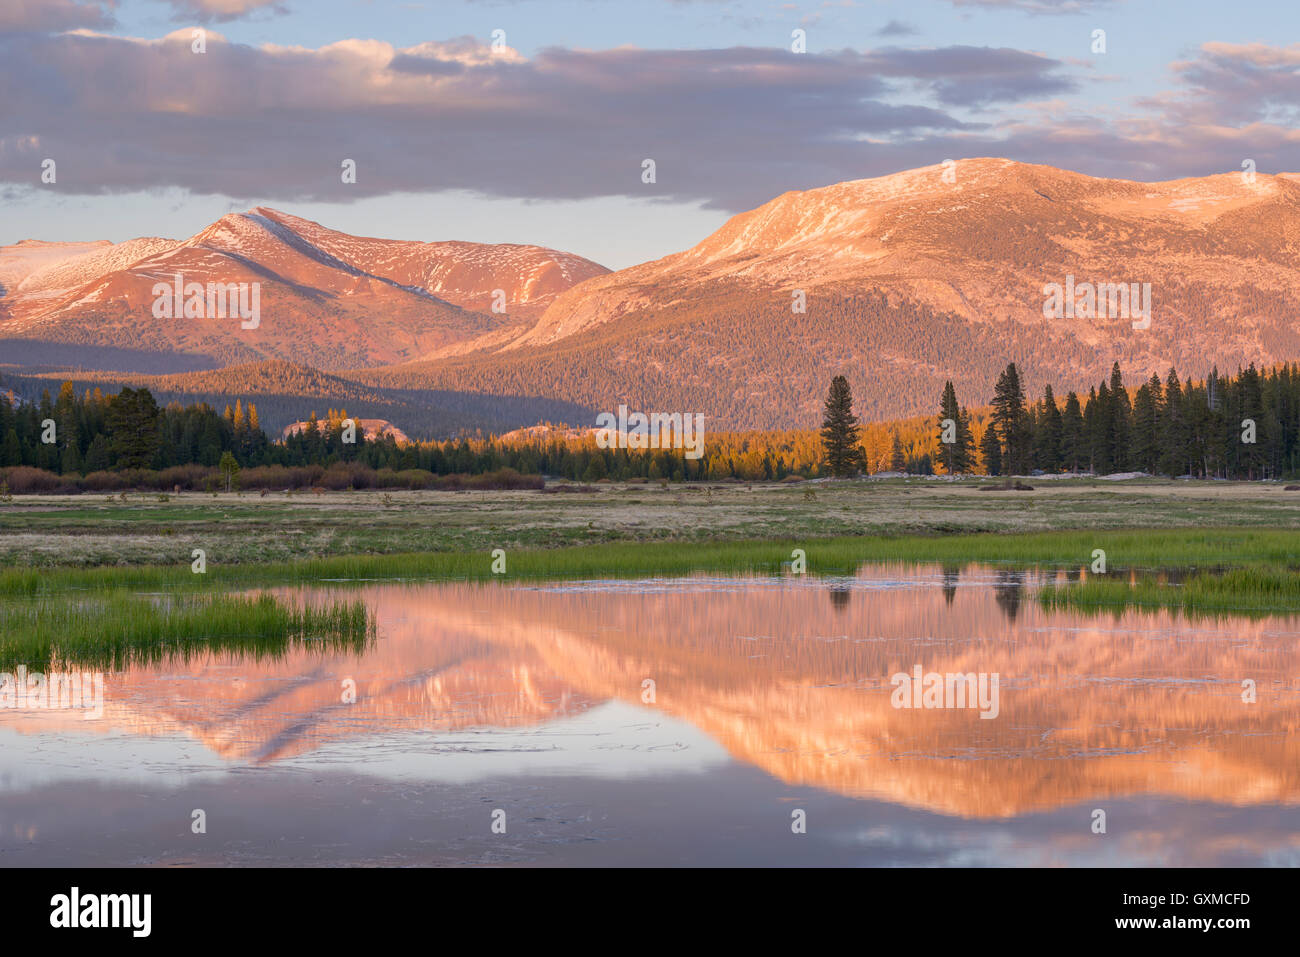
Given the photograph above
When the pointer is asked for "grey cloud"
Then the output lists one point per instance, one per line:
(727, 127)
(1056, 7)
(41, 16)
(1234, 84)
(221, 11)
(731, 128)
(896, 28)
(974, 76)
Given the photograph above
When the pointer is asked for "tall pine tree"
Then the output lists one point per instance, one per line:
(956, 444)
(841, 451)
(1010, 419)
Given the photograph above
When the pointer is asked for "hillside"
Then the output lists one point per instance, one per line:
(286, 392)
(907, 280)
(910, 280)
(326, 298)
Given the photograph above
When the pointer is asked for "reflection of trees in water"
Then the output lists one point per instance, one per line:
(1009, 590)
(951, 573)
(840, 597)
(1072, 575)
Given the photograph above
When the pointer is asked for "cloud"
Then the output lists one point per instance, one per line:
(206, 11)
(730, 128)
(727, 127)
(972, 76)
(896, 28)
(43, 16)
(1036, 6)
(1236, 83)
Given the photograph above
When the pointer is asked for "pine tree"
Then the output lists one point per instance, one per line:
(1253, 456)
(1097, 416)
(134, 437)
(1121, 414)
(1073, 445)
(991, 450)
(1009, 417)
(1174, 436)
(1048, 433)
(1146, 426)
(956, 456)
(97, 455)
(965, 443)
(897, 462)
(841, 450)
(11, 452)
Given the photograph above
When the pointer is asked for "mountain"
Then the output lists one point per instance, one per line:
(907, 280)
(911, 279)
(370, 429)
(325, 298)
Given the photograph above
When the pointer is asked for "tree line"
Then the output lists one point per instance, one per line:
(1243, 426)
(1239, 426)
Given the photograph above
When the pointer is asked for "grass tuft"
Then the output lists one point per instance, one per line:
(1243, 592)
(111, 631)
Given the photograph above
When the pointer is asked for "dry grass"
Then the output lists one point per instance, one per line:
(99, 530)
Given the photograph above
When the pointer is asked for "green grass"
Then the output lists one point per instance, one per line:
(1155, 549)
(105, 616)
(113, 630)
(1248, 592)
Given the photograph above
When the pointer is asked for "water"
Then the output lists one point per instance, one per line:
(771, 697)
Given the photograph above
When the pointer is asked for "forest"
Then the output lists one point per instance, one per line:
(1243, 426)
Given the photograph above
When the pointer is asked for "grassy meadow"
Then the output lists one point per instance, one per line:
(80, 577)
(93, 531)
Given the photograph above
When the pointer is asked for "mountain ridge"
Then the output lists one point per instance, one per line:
(902, 282)
(331, 298)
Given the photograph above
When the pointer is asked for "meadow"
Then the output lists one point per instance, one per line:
(80, 576)
(91, 531)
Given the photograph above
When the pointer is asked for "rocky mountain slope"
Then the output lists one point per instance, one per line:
(898, 282)
(913, 278)
(325, 297)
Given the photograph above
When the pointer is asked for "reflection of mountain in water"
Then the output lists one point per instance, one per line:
(791, 683)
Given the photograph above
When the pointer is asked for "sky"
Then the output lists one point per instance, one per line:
(531, 121)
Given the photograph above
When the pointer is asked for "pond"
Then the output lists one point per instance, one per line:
(697, 721)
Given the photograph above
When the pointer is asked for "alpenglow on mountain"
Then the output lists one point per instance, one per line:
(898, 282)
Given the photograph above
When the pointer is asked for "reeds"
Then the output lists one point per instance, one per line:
(113, 630)
(1249, 592)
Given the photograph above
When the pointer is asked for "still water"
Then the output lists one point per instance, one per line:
(706, 720)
